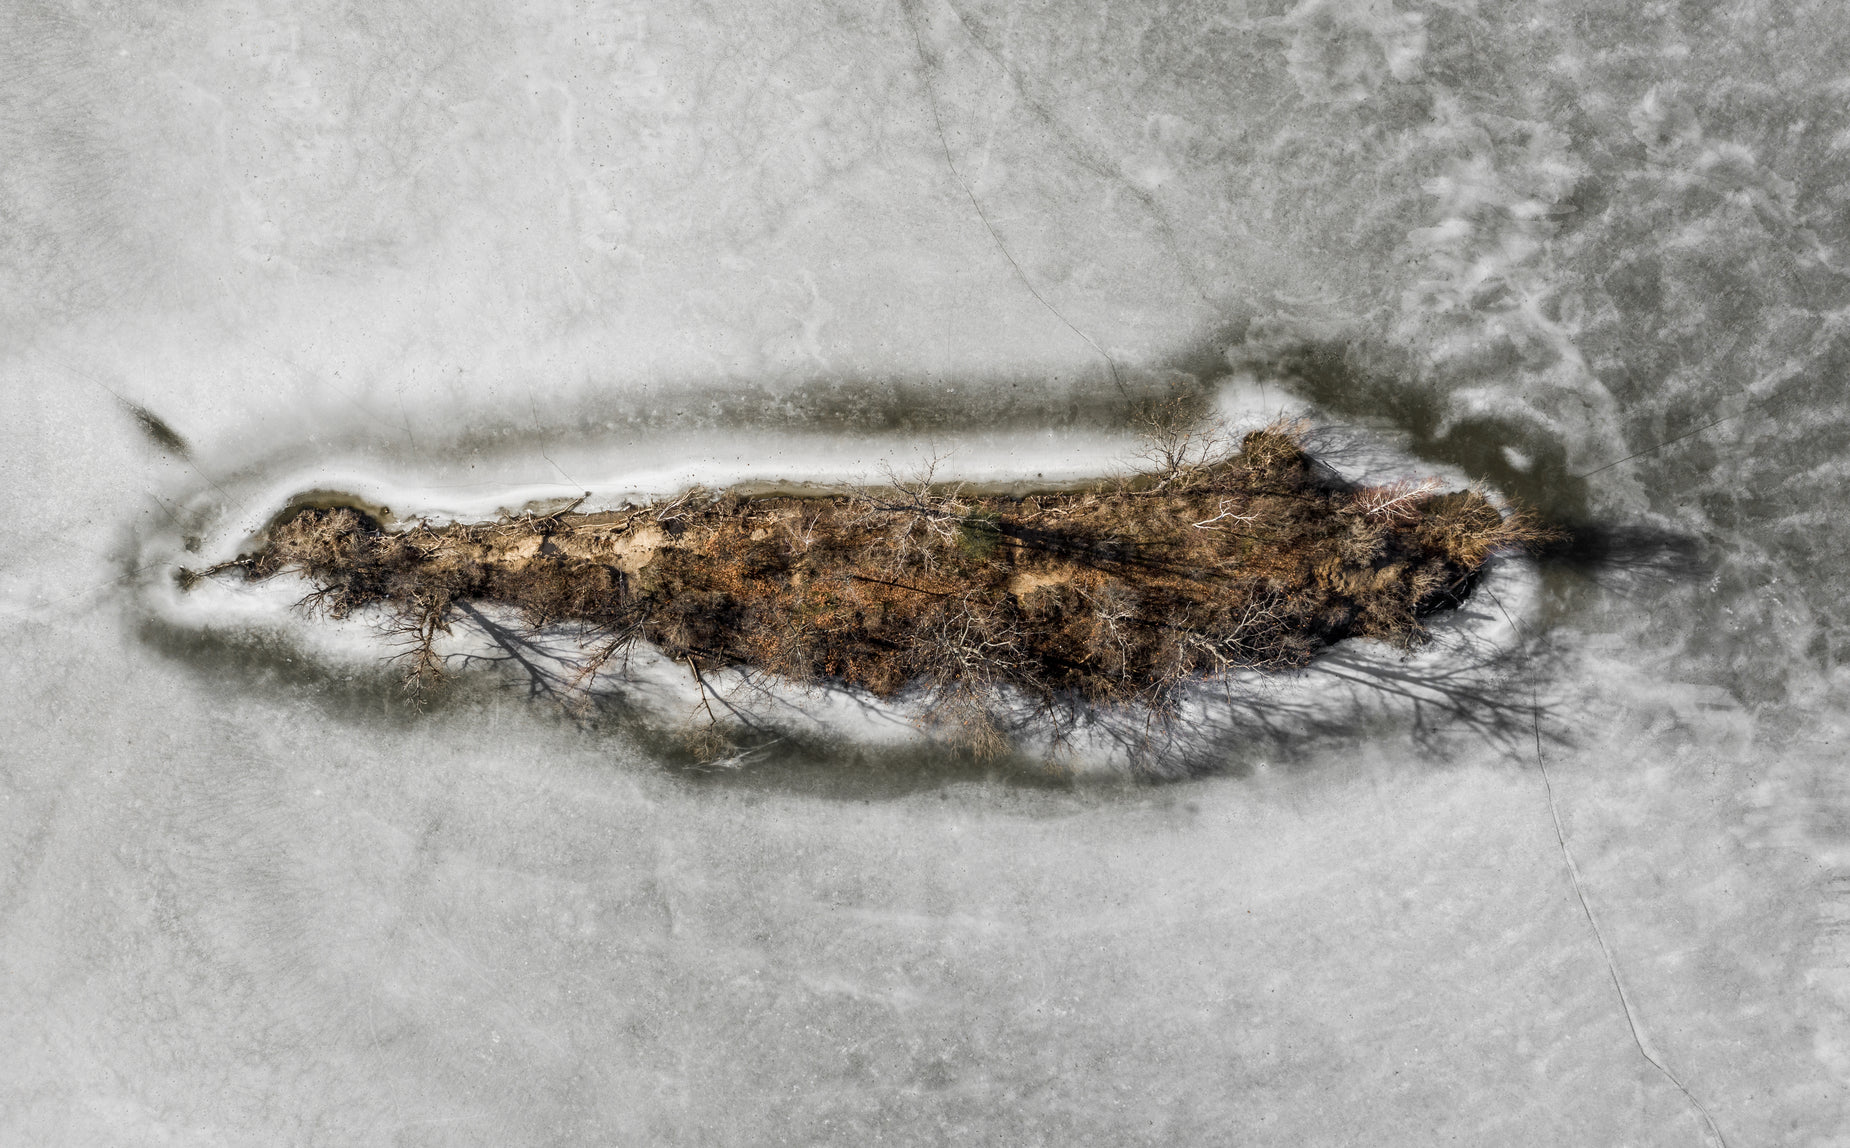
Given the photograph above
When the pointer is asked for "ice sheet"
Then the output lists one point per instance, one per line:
(1592, 253)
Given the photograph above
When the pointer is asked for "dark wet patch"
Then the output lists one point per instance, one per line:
(1352, 383)
(267, 664)
(155, 428)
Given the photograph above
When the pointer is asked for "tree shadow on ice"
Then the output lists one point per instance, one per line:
(855, 404)
(271, 665)
(761, 740)
(1351, 382)
(1465, 697)
(1524, 460)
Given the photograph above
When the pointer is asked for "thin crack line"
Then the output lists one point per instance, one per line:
(539, 433)
(1612, 965)
(931, 98)
(19, 611)
(1077, 150)
(1665, 443)
(1833, 325)
(1580, 892)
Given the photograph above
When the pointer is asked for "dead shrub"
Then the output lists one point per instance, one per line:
(1277, 448)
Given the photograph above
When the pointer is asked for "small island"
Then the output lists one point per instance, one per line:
(1211, 560)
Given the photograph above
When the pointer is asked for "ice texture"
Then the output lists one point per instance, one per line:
(473, 254)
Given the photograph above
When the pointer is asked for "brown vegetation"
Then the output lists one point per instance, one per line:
(1213, 560)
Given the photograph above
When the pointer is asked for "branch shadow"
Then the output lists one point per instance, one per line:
(1353, 382)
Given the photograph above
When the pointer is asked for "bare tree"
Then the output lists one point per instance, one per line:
(1179, 440)
(922, 512)
(970, 654)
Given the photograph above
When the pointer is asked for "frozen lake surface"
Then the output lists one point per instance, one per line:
(1576, 873)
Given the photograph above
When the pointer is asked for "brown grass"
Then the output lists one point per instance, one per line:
(1208, 562)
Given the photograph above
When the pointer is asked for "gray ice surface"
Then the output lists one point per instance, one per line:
(1595, 253)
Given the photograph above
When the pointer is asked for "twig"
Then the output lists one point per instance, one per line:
(701, 682)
